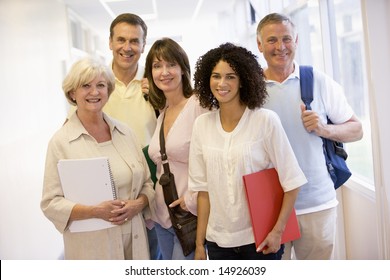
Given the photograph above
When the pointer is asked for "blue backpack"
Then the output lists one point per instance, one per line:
(335, 155)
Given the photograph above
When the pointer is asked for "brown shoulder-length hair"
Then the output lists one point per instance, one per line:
(244, 63)
(168, 50)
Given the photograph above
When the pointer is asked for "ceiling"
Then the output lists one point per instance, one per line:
(100, 13)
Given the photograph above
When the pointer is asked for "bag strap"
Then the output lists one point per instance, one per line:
(164, 157)
(307, 85)
(306, 81)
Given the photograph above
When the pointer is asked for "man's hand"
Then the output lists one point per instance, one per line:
(145, 88)
(311, 121)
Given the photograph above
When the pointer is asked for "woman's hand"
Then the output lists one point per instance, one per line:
(129, 209)
(105, 209)
(200, 253)
(271, 243)
(180, 202)
(145, 88)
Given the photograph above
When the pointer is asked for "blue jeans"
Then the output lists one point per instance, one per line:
(245, 252)
(154, 248)
(169, 244)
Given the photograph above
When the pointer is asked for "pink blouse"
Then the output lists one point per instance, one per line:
(177, 145)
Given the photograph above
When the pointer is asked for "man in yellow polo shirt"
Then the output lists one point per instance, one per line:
(128, 102)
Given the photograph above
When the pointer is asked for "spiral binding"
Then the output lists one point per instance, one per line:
(112, 180)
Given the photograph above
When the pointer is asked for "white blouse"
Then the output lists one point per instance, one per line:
(219, 159)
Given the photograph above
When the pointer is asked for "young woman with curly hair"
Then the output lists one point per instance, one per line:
(238, 138)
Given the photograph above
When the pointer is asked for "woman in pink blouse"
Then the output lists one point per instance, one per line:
(168, 70)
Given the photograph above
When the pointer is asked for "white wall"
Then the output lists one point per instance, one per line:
(34, 46)
(360, 224)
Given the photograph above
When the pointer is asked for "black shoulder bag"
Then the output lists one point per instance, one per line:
(183, 222)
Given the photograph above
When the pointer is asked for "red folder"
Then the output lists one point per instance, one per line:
(265, 195)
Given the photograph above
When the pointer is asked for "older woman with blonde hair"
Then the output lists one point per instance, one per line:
(91, 133)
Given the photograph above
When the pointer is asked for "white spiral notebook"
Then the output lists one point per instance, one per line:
(87, 181)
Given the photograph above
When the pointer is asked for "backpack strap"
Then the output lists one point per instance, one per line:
(307, 85)
(330, 147)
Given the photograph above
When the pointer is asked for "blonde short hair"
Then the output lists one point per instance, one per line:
(84, 71)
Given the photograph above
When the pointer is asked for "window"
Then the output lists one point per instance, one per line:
(84, 40)
(349, 32)
(76, 34)
(308, 26)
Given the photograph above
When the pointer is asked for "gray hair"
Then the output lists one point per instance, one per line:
(275, 18)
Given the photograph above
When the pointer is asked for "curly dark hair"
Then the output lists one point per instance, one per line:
(168, 50)
(253, 91)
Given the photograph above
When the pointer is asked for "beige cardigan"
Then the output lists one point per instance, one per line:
(73, 141)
